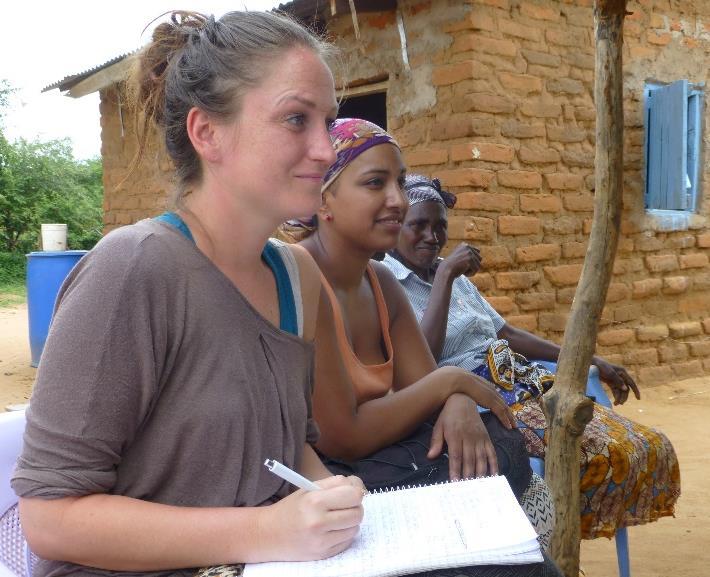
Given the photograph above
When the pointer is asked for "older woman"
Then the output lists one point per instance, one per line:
(629, 473)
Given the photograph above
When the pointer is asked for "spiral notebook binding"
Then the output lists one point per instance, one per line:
(405, 487)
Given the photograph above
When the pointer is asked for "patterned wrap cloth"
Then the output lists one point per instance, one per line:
(351, 137)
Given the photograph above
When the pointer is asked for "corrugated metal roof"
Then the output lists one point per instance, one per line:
(68, 82)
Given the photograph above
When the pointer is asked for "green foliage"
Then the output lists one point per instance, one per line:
(42, 182)
(12, 278)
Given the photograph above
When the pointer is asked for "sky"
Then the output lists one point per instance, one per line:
(45, 40)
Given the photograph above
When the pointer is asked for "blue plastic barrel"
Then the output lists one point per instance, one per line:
(46, 272)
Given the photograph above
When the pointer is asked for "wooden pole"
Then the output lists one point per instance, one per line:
(568, 410)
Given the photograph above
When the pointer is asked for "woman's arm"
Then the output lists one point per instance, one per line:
(349, 431)
(464, 259)
(534, 347)
(121, 533)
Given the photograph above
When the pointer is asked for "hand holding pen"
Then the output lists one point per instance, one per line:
(315, 522)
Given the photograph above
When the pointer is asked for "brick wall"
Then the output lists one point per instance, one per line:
(498, 103)
(130, 195)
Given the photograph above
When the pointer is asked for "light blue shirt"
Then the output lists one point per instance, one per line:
(472, 325)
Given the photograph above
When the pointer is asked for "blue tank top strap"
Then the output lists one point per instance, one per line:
(287, 303)
(174, 220)
(288, 321)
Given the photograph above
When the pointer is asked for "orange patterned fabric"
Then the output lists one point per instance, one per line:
(629, 473)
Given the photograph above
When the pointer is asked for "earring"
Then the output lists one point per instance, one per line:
(328, 217)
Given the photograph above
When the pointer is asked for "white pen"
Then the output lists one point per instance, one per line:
(291, 476)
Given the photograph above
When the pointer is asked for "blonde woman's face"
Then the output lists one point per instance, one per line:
(278, 149)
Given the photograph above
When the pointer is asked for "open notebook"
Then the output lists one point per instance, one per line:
(472, 522)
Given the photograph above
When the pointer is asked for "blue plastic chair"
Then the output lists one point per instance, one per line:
(595, 390)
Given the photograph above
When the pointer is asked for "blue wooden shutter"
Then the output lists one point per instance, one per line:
(695, 107)
(667, 147)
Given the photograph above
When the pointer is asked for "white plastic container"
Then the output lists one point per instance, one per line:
(54, 237)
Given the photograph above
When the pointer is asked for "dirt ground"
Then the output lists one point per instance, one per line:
(670, 547)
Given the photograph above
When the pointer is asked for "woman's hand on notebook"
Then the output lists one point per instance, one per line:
(471, 453)
(310, 525)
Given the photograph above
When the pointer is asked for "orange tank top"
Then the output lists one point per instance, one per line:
(369, 381)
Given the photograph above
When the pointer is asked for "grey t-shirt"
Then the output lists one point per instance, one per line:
(159, 381)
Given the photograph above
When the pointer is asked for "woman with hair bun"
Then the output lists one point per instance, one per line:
(180, 354)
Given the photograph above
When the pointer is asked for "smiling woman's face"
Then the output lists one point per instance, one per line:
(423, 236)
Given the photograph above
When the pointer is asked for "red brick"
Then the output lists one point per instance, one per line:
(646, 287)
(615, 337)
(562, 225)
(625, 245)
(515, 129)
(648, 243)
(470, 228)
(494, 202)
(704, 240)
(542, 58)
(480, 43)
(673, 285)
(564, 274)
(502, 305)
(537, 252)
(641, 357)
(518, 30)
(700, 349)
(482, 102)
(701, 281)
(685, 329)
(555, 322)
(698, 303)
(565, 296)
(627, 265)
(486, 151)
(563, 181)
(625, 313)
(519, 179)
(483, 281)
(583, 158)
(566, 38)
(518, 225)
(520, 83)
(566, 134)
(540, 203)
(681, 241)
(706, 325)
(494, 257)
(541, 110)
(579, 202)
(565, 86)
(688, 370)
(617, 291)
(655, 375)
(535, 301)
(525, 322)
(652, 333)
(693, 260)
(538, 12)
(428, 156)
(538, 155)
(574, 249)
(462, 126)
(658, 21)
(662, 263)
(459, 71)
(466, 177)
(517, 280)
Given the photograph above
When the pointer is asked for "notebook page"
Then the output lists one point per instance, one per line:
(407, 531)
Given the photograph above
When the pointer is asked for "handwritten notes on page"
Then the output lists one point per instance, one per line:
(472, 522)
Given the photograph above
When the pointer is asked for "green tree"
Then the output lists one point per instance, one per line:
(42, 182)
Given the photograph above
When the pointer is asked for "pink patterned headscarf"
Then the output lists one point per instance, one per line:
(351, 137)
